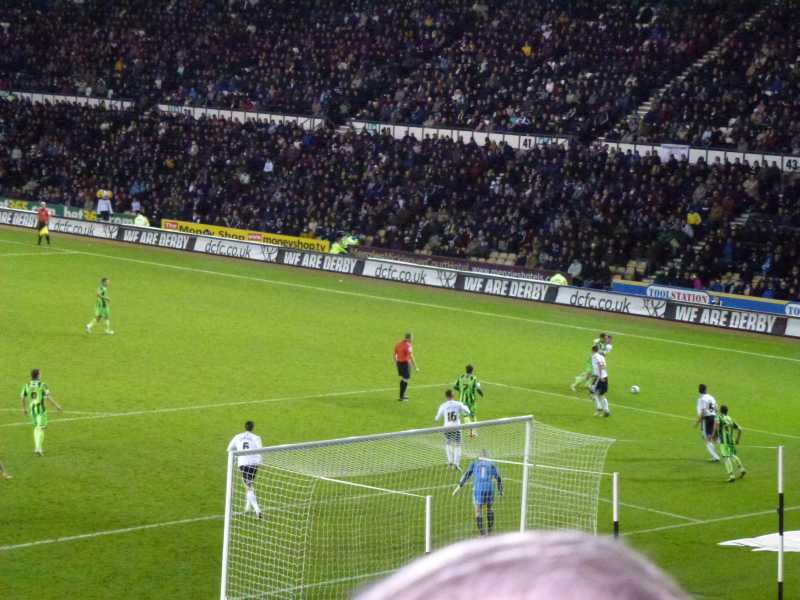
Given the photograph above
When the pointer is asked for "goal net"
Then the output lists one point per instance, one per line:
(335, 514)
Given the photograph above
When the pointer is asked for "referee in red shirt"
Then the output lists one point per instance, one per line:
(42, 219)
(404, 358)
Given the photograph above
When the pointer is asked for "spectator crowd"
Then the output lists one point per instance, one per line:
(580, 209)
(746, 98)
(553, 66)
(558, 67)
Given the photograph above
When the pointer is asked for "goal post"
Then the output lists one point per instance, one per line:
(335, 514)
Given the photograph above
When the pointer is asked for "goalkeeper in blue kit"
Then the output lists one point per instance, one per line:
(484, 473)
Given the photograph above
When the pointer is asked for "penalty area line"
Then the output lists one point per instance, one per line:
(191, 520)
(45, 253)
(67, 412)
(177, 522)
(97, 534)
(456, 309)
(762, 513)
(175, 409)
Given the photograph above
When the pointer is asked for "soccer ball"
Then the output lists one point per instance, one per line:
(634, 389)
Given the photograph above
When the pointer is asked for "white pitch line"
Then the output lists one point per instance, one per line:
(108, 532)
(628, 407)
(653, 510)
(609, 500)
(67, 412)
(762, 513)
(187, 521)
(46, 253)
(422, 304)
(96, 534)
(662, 443)
(173, 409)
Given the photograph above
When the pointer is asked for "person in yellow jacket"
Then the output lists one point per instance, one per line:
(559, 279)
(343, 244)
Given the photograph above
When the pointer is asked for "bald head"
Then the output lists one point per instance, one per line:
(530, 566)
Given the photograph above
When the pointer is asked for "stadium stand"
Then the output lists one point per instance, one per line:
(295, 57)
(583, 209)
(555, 66)
(744, 98)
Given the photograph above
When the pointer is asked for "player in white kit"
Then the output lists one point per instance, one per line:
(706, 417)
(599, 387)
(248, 464)
(451, 412)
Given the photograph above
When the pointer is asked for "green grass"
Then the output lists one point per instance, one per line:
(198, 331)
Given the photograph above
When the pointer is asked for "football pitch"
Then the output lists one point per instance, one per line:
(128, 500)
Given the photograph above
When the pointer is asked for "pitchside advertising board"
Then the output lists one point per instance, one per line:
(704, 297)
(655, 307)
(62, 210)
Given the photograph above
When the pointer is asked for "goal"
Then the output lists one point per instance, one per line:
(337, 513)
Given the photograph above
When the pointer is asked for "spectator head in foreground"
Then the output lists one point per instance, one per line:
(530, 566)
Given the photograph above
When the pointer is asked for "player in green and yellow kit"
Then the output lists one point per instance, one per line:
(584, 378)
(35, 396)
(102, 308)
(724, 427)
(469, 388)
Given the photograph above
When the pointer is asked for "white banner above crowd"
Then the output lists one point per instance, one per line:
(710, 156)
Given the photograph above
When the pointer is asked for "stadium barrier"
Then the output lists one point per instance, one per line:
(62, 210)
(391, 270)
(37, 98)
(274, 239)
(517, 141)
(785, 162)
(242, 116)
(459, 264)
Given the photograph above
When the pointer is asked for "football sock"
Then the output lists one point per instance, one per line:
(89, 325)
(251, 499)
(479, 521)
(490, 519)
(711, 451)
(605, 405)
(597, 404)
(38, 438)
(48, 240)
(737, 461)
(449, 449)
(457, 455)
(108, 324)
(403, 387)
(728, 466)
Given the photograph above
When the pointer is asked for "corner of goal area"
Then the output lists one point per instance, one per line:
(338, 513)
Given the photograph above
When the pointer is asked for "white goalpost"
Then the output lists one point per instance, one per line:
(336, 514)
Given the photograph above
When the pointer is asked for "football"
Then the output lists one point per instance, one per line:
(634, 389)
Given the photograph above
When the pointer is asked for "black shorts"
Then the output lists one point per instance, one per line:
(105, 215)
(601, 387)
(403, 370)
(708, 425)
(453, 437)
(248, 474)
